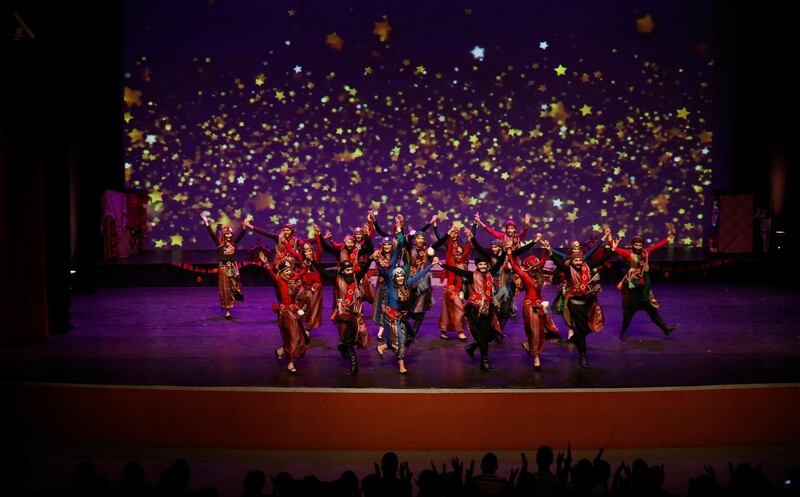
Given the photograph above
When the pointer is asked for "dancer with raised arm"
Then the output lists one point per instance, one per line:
(452, 317)
(480, 309)
(574, 249)
(312, 281)
(534, 309)
(289, 308)
(348, 314)
(635, 286)
(582, 311)
(398, 300)
(230, 285)
(284, 240)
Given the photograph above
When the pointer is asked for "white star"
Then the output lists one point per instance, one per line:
(543, 45)
(477, 52)
(705, 150)
(151, 139)
(240, 180)
(558, 203)
(297, 69)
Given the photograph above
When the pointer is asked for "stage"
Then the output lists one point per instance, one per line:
(162, 367)
(728, 334)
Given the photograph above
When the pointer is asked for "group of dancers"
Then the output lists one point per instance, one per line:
(480, 299)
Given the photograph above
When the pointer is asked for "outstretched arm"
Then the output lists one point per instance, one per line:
(458, 271)
(658, 245)
(328, 247)
(262, 231)
(326, 274)
(480, 248)
(606, 256)
(420, 274)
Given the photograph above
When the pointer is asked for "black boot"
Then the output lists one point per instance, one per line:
(351, 354)
(471, 349)
(486, 367)
(664, 327)
(342, 348)
(623, 335)
(582, 362)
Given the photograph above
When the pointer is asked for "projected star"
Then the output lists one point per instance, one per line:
(543, 45)
(477, 53)
(586, 110)
(151, 139)
(382, 30)
(560, 70)
(298, 69)
(334, 41)
(558, 203)
(683, 113)
(132, 97)
(176, 240)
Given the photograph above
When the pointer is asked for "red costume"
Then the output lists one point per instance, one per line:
(452, 318)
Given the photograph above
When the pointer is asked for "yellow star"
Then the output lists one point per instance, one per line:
(597, 75)
(280, 96)
(132, 97)
(155, 196)
(127, 117)
(683, 113)
(560, 70)
(135, 136)
(260, 79)
(586, 110)
(572, 216)
(160, 243)
(382, 30)
(334, 41)
(176, 240)
(367, 70)
(420, 70)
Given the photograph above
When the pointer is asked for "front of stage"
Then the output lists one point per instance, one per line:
(161, 367)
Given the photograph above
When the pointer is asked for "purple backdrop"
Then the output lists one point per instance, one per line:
(577, 113)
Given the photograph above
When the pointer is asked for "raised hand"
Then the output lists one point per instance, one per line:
(615, 243)
(478, 218)
(526, 219)
(263, 257)
(457, 465)
(513, 475)
(205, 219)
(370, 216)
(671, 230)
(328, 234)
(537, 238)
(434, 218)
(470, 469)
(316, 230)
(405, 474)
(546, 245)
(399, 218)
(469, 233)
(524, 462)
(247, 224)
(435, 261)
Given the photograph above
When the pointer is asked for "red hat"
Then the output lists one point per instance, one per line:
(510, 222)
(531, 262)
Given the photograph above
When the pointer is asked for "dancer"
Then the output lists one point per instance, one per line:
(348, 314)
(312, 281)
(559, 303)
(398, 300)
(283, 240)
(360, 239)
(534, 309)
(289, 309)
(230, 285)
(635, 286)
(452, 316)
(582, 312)
(382, 259)
(480, 309)
(504, 295)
